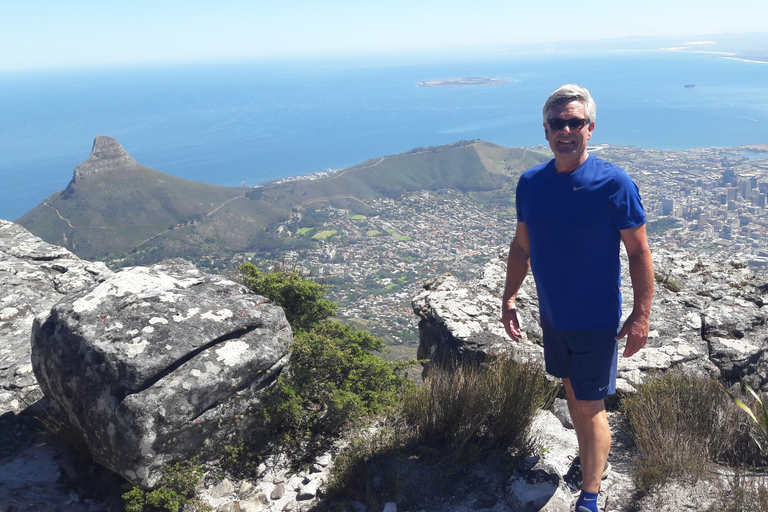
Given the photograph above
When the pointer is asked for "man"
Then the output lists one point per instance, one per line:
(573, 213)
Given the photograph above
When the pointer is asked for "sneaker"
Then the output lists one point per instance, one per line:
(574, 477)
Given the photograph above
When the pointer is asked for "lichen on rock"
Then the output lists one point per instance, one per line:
(155, 364)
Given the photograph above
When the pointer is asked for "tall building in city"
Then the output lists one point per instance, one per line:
(667, 206)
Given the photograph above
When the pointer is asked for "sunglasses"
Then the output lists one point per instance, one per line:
(574, 123)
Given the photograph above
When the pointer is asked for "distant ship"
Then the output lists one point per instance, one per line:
(688, 86)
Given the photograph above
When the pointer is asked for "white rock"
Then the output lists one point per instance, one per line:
(307, 491)
(222, 489)
(325, 459)
(245, 487)
(252, 505)
(278, 492)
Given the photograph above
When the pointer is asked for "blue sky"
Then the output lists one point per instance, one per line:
(38, 34)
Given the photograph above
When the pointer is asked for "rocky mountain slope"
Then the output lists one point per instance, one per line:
(709, 316)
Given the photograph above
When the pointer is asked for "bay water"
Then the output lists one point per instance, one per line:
(244, 123)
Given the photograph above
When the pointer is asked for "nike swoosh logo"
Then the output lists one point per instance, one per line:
(579, 188)
(602, 388)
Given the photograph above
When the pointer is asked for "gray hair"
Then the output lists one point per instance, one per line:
(568, 93)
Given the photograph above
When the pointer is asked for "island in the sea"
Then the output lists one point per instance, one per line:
(462, 82)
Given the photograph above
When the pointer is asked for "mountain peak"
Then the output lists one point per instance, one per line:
(107, 154)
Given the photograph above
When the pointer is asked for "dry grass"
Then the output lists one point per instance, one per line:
(488, 407)
(744, 495)
(680, 424)
(447, 423)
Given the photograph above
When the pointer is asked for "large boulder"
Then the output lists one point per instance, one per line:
(159, 364)
(708, 317)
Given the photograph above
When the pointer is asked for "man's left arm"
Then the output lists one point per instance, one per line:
(636, 326)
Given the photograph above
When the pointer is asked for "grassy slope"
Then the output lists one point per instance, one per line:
(151, 216)
(110, 212)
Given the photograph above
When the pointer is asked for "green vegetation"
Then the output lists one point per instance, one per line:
(667, 282)
(301, 299)
(358, 217)
(177, 489)
(336, 380)
(488, 407)
(304, 231)
(404, 238)
(325, 234)
(661, 226)
(373, 232)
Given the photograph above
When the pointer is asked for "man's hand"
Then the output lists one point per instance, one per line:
(636, 330)
(518, 262)
(511, 322)
(641, 273)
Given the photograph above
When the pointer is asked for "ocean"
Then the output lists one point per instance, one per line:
(245, 123)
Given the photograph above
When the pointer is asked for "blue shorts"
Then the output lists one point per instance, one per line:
(588, 358)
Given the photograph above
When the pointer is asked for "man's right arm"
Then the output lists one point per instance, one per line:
(518, 262)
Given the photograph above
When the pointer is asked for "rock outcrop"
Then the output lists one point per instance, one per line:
(159, 364)
(707, 317)
(107, 154)
(34, 275)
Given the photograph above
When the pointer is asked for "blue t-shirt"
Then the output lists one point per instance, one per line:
(573, 222)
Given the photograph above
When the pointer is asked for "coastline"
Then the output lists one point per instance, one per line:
(278, 125)
(742, 59)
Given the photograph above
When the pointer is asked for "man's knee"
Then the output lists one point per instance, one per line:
(589, 408)
(584, 408)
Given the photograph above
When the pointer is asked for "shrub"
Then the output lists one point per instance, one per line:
(335, 380)
(668, 283)
(176, 489)
(335, 377)
(300, 298)
(680, 423)
(240, 460)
